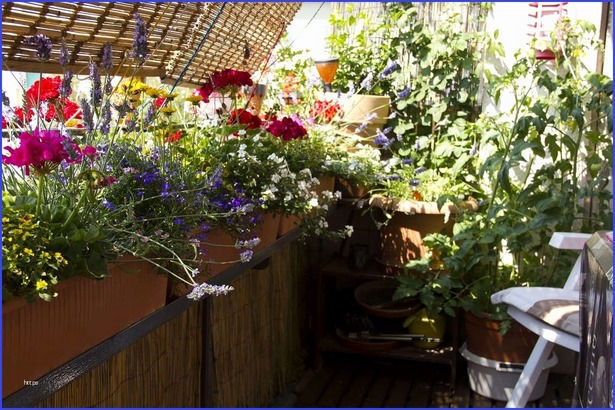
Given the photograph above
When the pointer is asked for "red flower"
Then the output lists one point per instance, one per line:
(205, 91)
(71, 111)
(244, 117)
(23, 117)
(325, 110)
(159, 101)
(43, 150)
(287, 128)
(173, 137)
(107, 181)
(225, 80)
(49, 89)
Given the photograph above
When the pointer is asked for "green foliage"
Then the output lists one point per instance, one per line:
(547, 168)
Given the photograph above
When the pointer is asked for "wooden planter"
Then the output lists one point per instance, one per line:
(41, 336)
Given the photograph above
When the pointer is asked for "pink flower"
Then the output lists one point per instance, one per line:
(43, 150)
(90, 151)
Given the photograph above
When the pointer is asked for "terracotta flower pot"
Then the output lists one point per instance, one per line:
(221, 253)
(401, 238)
(484, 340)
(287, 224)
(41, 336)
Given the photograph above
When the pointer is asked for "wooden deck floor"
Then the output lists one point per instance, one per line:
(346, 381)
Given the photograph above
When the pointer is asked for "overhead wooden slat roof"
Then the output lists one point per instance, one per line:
(188, 40)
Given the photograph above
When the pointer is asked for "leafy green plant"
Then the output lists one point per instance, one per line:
(362, 42)
(549, 160)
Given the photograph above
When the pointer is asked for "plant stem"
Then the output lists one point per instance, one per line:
(39, 199)
(76, 208)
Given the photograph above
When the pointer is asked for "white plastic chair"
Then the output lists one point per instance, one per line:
(551, 313)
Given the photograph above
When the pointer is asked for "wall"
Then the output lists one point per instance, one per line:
(309, 29)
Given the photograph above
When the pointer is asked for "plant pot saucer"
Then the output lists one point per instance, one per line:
(376, 299)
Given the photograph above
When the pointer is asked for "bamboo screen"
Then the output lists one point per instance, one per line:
(187, 41)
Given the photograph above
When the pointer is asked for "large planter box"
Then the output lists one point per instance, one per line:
(41, 336)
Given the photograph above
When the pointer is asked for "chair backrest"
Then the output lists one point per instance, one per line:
(571, 241)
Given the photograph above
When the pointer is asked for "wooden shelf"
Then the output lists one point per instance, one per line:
(406, 351)
(338, 269)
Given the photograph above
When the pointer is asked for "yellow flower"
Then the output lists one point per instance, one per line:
(28, 251)
(169, 97)
(73, 122)
(194, 99)
(167, 110)
(131, 87)
(41, 285)
(155, 92)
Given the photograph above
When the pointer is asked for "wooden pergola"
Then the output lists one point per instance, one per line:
(187, 41)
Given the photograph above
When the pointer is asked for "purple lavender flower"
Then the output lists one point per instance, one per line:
(122, 109)
(388, 70)
(107, 56)
(130, 126)
(42, 44)
(246, 255)
(367, 81)
(164, 192)
(139, 43)
(405, 93)
(149, 114)
(387, 130)
(108, 85)
(64, 55)
(106, 119)
(202, 289)
(394, 177)
(474, 150)
(215, 180)
(414, 183)
(420, 170)
(96, 90)
(68, 146)
(407, 161)
(382, 140)
(88, 116)
(65, 88)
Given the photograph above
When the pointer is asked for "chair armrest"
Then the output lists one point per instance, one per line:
(569, 240)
